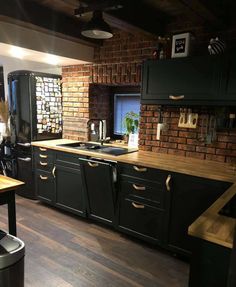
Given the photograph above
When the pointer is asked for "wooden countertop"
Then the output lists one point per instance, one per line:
(210, 225)
(190, 166)
(8, 183)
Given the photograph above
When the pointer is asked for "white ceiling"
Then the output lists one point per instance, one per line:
(36, 56)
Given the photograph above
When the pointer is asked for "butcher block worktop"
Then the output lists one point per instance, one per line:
(190, 166)
(210, 225)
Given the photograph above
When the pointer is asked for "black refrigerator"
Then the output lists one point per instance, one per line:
(35, 104)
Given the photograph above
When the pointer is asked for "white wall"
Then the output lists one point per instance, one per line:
(12, 64)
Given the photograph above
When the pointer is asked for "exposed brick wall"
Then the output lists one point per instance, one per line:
(182, 141)
(118, 62)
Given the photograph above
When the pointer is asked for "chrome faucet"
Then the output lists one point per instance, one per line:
(101, 133)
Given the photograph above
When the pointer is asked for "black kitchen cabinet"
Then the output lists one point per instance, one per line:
(210, 264)
(44, 175)
(190, 197)
(69, 190)
(229, 83)
(99, 184)
(58, 180)
(143, 208)
(190, 80)
(45, 187)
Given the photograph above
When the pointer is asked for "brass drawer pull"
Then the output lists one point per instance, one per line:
(168, 182)
(42, 149)
(43, 177)
(92, 164)
(43, 156)
(138, 205)
(141, 169)
(43, 163)
(176, 98)
(53, 171)
(137, 187)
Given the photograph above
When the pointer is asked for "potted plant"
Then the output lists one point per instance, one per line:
(130, 124)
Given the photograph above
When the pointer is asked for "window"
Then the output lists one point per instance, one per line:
(124, 103)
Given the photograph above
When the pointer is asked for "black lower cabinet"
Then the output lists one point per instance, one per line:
(69, 191)
(45, 186)
(99, 188)
(190, 197)
(209, 265)
(141, 220)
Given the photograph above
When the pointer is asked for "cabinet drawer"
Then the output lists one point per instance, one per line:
(68, 160)
(148, 192)
(44, 160)
(44, 164)
(140, 219)
(143, 172)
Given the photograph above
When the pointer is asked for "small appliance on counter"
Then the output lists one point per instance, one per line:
(35, 104)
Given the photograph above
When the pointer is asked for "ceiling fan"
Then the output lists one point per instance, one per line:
(97, 28)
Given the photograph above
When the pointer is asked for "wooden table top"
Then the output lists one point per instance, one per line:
(210, 225)
(8, 183)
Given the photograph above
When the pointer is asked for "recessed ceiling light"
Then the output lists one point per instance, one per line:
(17, 52)
(52, 59)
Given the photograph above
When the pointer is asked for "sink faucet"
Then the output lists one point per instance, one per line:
(101, 138)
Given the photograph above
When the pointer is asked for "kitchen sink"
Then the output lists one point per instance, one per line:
(106, 149)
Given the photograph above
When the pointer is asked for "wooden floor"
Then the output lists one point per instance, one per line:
(66, 251)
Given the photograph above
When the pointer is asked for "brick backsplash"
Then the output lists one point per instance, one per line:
(118, 62)
(182, 141)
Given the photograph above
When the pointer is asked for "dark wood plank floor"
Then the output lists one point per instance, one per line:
(66, 251)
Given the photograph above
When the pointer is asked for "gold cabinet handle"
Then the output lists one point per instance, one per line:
(54, 171)
(43, 156)
(138, 187)
(92, 164)
(176, 98)
(43, 163)
(140, 169)
(43, 177)
(42, 149)
(168, 182)
(138, 205)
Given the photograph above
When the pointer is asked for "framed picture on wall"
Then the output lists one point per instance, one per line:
(180, 45)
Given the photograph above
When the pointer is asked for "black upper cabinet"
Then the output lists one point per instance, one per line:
(190, 80)
(229, 80)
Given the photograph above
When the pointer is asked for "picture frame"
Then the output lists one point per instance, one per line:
(180, 45)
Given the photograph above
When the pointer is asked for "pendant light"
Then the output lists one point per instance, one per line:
(97, 28)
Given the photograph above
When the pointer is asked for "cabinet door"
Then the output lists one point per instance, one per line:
(181, 80)
(190, 197)
(69, 190)
(99, 189)
(45, 187)
(229, 92)
(141, 220)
